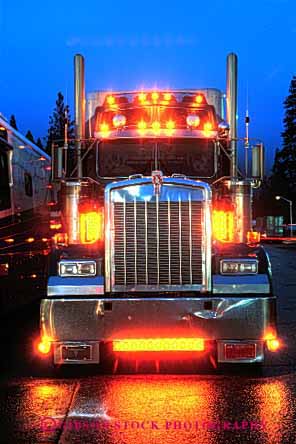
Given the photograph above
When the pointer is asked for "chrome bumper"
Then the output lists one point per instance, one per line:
(91, 321)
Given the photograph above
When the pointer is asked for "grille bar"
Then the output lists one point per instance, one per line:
(157, 243)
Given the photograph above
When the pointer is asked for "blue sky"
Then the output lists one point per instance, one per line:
(128, 44)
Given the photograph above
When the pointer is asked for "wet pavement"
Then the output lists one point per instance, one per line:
(199, 406)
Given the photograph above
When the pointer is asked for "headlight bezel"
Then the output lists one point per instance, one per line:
(79, 263)
(239, 261)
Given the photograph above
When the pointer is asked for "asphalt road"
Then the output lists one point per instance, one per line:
(191, 407)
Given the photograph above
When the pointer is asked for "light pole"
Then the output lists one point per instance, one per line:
(291, 212)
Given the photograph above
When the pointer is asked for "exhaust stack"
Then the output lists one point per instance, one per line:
(231, 97)
(79, 95)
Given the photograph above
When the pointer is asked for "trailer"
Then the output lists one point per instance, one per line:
(156, 258)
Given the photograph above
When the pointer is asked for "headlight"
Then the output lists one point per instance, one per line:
(77, 268)
(239, 266)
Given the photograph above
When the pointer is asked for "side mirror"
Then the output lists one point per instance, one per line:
(57, 162)
(223, 129)
(223, 126)
(258, 161)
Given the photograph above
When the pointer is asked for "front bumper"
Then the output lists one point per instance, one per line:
(90, 321)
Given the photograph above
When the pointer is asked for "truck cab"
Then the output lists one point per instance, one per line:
(156, 257)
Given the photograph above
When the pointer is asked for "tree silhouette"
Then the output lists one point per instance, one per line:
(56, 130)
(29, 136)
(284, 168)
(12, 122)
(39, 143)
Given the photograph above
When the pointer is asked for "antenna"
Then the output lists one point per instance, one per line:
(247, 140)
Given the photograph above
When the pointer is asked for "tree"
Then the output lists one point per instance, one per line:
(12, 121)
(39, 143)
(29, 136)
(284, 169)
(56, 130)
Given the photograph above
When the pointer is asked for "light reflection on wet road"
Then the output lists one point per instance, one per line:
(162, 409)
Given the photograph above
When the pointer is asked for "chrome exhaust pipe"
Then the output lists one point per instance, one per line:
(231, 99)
(79, 96)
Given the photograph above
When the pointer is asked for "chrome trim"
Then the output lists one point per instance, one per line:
(180, 240)
(135, 240)
(149, 134)
(146, 243)
(75, 286)
(157, 235)
(238, 284)
(124, 239)
(190, 239)
(169, 240)
(99, 319)
(133, 190)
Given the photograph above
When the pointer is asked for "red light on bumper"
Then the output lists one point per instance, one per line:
(159, 345)
(240, 351)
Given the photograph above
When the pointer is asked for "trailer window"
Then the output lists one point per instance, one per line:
(4, 183)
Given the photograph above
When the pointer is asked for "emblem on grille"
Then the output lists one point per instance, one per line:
(157, 181)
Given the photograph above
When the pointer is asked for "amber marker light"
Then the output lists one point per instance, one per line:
(111, 100)
(272, 342)
(156, 127)
(30, 240)
(9, 241)
(104, 129)
(170, 127)
(142, 97)
(167, 97)
(199, 99)
(142, 126)
(159, 345)
(91, 227)
(223, 225)
(155, 96)
(44, 345)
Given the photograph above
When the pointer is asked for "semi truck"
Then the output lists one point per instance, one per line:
(154, 256)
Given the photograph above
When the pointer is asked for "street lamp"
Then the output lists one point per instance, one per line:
(291, 212)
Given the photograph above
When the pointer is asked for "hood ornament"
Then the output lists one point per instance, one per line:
(157, 179)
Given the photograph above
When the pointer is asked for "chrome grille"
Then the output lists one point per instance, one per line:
(158, 244)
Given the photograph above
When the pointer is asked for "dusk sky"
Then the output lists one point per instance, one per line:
(129, 44)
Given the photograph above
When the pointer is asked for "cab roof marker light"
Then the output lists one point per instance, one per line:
(104, 129)
(142, 97)
(192, 121)
(199, 99)
(119, 120)
(156, 127)
(155, 97)
(167, 96)
(142, 126)
(111, 100)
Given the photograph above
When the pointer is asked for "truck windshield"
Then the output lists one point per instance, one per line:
(123, 158)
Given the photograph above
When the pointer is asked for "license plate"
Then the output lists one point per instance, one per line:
(240, 351)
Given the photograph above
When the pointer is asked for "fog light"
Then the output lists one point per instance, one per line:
(77, 268)
(239, 266)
